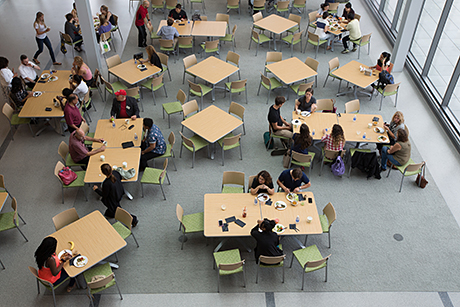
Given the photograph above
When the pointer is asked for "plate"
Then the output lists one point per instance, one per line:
(141, 66)
(382, 139)
(379, 130)
(36, 94)
(80, 261)
(263, 197)
(305, 113)
(280, 205)
(64, 251)
(296, 122)
(279, 228)
(45, 75)
(291, 197)
(53, 78)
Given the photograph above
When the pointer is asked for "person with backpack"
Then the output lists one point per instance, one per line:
(291, 180)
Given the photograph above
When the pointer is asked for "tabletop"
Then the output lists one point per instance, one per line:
(291, 70)
(316, 122)
(115, 157)
(354, 130)
(234, 207)
(275, 24)
(209, 28)
(184, 28)
(57, 85)
(35, 106)
(212, 123)
(212, 70)
(120, 134)
(335, 24)
(350, 72)
(129, 72)
(93, 237)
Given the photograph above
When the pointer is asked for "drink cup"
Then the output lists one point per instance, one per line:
(223, 207)
(125, 165)
(102, 158)
(369, 125)
(309, 219)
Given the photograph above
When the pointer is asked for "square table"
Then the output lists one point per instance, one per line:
(129, 72)
(275, 24)
(291, 70)
(354, 130)
(350, 72)
(93, 237)
(54, 86)
(209, 28)
(213, 70)
(184, 28)
(120, 134)
(115, 157)
(317, 121)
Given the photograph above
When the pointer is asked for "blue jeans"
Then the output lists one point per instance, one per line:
(64, 275)
(386, 156)
(47, 42)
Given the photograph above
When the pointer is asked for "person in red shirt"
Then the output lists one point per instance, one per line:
(124, 106)
(142, 19)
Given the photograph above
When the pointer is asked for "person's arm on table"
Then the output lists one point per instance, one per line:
(95, 151)
(282, 186)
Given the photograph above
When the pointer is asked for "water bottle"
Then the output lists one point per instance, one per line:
(313, 132)
(51, 71)
(113, 124)
(354, 118)
(297, 219)
(364, 136)
(255, 201)
(135, 62)
(135, 136)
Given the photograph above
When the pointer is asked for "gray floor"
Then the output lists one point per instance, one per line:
(367, 268)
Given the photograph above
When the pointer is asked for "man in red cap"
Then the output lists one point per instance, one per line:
(124, 106)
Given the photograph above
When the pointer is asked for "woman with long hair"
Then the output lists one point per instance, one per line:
(20, 94)
(302, 140)
(263, 183)
(399, 153)
(80, 68)
(40, 36)
(107, 14)
(49, 264)
(334, 141)
(152, 57)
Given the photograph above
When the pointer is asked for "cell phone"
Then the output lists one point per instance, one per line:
(310, 200)
(48, 109)
(221, 223)
(130, 127)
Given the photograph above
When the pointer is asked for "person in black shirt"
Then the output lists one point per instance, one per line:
(178, 13)
(263, 183)
(306, 102)
(279, 126)
(152, 57)
(267, 240)
(347, 11)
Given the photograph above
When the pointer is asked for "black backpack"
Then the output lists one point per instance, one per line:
(385, 78)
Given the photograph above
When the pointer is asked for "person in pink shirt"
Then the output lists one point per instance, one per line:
(77, 149)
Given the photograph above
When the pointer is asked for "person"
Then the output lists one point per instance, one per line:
(396, 123)
(107, 14)
(74, 12)
(383, 62)
(354, 33)
(153, 145)
(347, 10)
(142, 18)
(49, 264)
(324, 7)
(169, 32)
(124, 106)
(77, 149)
(20, 95)
(306, 102)
(302, 140)
(80, 68)
(6, 73)
(322, 28)
(278, 124)
(291, 180)
(111, 192)
(27, 71)
(399, 153)
(105, 25)
(177, 13)
(334, 141)
(152, 57)
(263, 183)
(72, 113)
(79, 87)
(41, 38)
(267, 240)
(72, 28)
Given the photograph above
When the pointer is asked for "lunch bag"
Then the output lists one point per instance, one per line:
(267, 140)
(338, 167)
(67, 175)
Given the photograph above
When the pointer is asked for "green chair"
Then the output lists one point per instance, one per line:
(352, 106)
(225, 18)
(155, 176)
(174, 107)
(255, 18)
(352, 152)
(9, 220)
(169, 5)
(311, 21)
(112, 88)
(333, 7)
(184, 42)
(236, 181)
(327, 218)
(3, 189)
(233, 58)
(136, 94)
(157, 5)
(296, 19)
(210, 47)
(270, 262)
(69, 41)
(228, 142)
(168, 46)
(314, 40)
(233, 5)
(228, 263)
(258, 6)
(259, 39)
(230, 38)
(310, 260)
(203, 7)
(48, 285)
(190, 223)
(100, 284)
(282, 7)
(363, 41)
(154, 85)
(388, 90)
(333, 65)
(301, 88)
(14, 119)
(164, 59)
(65, 218)
(409, 169)
(199, 90)
(84, 126)
(154, 35)
(237, 110)
(77, 183)
(236, 87)
(193, 144)
(325, 105)
(272, 57)
(188, 62)
(112, 62)
(107, 37)
(86, 104)
(189, 108)
(301, 159)
(293, 39)
(63, 151)
(115, 25)
(298, 5)
(268, 83)
(123, 224)
(329, 156)
(169, 153)
(95, 85)
(313, 64)
(273, 136)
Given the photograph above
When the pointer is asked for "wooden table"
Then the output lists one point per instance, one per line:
(350, 72)
(184, 28)
(354, 130)
(118, 135)
(317, 121)
(209, 28)
(291, 70)
(340, 26)
(275, 24)
(129, 72)
(93, 237)
(54, 86)
(213, 70)
(113, 156)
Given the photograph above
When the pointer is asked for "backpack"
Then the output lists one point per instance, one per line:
(196, 17)
(338, 167)
(385, 78)
(67, 175)
(267, 140)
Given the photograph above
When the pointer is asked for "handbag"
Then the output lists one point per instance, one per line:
(421, 180)
(287, 159)
(338, 167)
(67, 175)
(104, 46)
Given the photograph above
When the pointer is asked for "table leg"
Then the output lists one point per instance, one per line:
(298, 241)
(274, 41)
(213, 150)
(213, 92)
(348, 91)
(219, 246)
(244, 245)
(129, 195)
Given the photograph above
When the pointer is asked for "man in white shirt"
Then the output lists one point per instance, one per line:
(5, 72)
(27, 70)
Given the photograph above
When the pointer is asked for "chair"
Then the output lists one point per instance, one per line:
(192, 144)
(210, 47)
(86, 104)
(63, 151)
(169, 153)
(250, 181)
(238, 110)
(188, 62)
(3, 189)
(157, 5)
(237, 87)
(65, 218)
(310, 260)
(224, 17)
(84, 126)
(293, 39)
(301, 159)
(273, 135)
(409, 169)
(112, 62)
(233, 5)
(259, 6)
(333, 7)
(327, 218)
(272, 57)
(270, 262)
(229, 262)
(154, 85)
(363, 41)
(313, 64)
(184, 42)
(297, 19)
(123, 224)
(107, 37)
(329, 156)
(311, 20)
(174, 107)
(204, 18)
(115, 25)
(357, 16)
(2, 264)
(101, 284)
(79, 182)
(229, 37)
(325, 105)
(259, 39)
(234, 58)
(352, 152)
(299, 4)
(9, 220)
(255, 18)
(233, 178)
(155, 176)
(268, 83)
(135, 93)
(352, 106)
(169, 5)
(95, 85)
(164, 62)
(389, 90)
(315, 41)
(188, 108)
(14, 119)
(168, 46)
(228, 142)
(203, 7)
(199, 90)
(189, 223)
(69, 41)
(333, 65)
(48, 285)
(282, 7)
(112, 88)
(300, 89)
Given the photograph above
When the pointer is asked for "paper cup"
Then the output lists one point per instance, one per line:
(223, 207)
(127, 121)
(369, 125)
(298, 112)
(102, 158)
(114, 167)
(309, 219)
(125, 165)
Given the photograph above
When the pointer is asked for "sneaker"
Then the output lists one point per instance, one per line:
(345, 51)
(354, 49)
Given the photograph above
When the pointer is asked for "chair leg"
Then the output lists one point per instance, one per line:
(116, 257)
(325, 80)
(303, 277)
(54, 296)
(2, 264)
(292, 259)
(22, 234)
(135, 239)
(164, 196)
(142, 189)
(62, 190)
(22, 219)
(283, 273)
(218, 280)
(223, 154)
(257, 274)
(306, 237)
(244, 277)
(325, 280)
(116, 284)
(193, 158)
(329, 234)
(400, 186)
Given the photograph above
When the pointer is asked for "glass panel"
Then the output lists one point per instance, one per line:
(398, 22)
(389, 8)
(454, 103)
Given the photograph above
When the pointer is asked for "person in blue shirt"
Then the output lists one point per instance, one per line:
(153, 145)
(291, 180)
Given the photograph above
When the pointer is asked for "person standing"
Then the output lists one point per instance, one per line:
(40, 37)
(267, 240)
(153, 145)
(142, 19)
(124, 106)
(27, 71)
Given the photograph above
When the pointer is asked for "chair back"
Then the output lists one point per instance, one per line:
(300, 157)
(334, 64)
(407, 129)
(231, 266)
(250, 181)
(231, 140)
(185, 40)
(132, 92)
(57, 168)
(273, 56)
(255, 36)
(303, 87)
(101, 282)
(265, 80)
(238, 84)
(312, 63)
(231, 177)
(271, 259)
(357, 16)
(329, 212)
(163, 173)
(14, 206)
(300, 2)
(195, 87)
(65, 218)
(172, 139)
(189, 61)
(234, 30)
(333, 6)
(258, 16)
(233, 57)
(115, 18)
(157, 2)
(166, 43)
(211, 44)
(333, 154)
(35, 273)
(189, 107)
(163, 58)
(107, 84)
(113, 61)
(237, 109)
(259, 3)
(297, 36)
(204, 18)
(187, 141)
(105, 36)
(222, 17)
(96, 75)
(283, 5)
(66, 37)
(63, 150)
(8, 111)
(157, 81)
(352, 106)
(317, 263)
(313, 37)
(414, 167)
(392, 87)
(170, 3)
(312, 16)
(366, 38)
(2, 182)
(124, 217)
(86, 99)
(233, 2)
(325, 104)
(179, 213)
(390, 68)
(181, 96)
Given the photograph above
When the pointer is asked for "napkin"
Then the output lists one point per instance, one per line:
(230, 219)
(73, 259)
(269, 202)
(301, 197)
(225, 227)
(240, 223)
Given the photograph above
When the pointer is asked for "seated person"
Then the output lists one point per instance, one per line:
(335, 140)
(168, 32)
(124, 106)
(306, 102)
(302, 140)
(399, 153)
(153, 145)
(263, 183)
(177, 13)
(152, 57)
(72, 112)
(27, 71)
(72, 28)
(383, 63)
(77, 149)
(278, 124)
(107, 14)
(80, 68)
(354, 33)
(105, 25)
(79, 87)
(347, 10)
(324, 7)
(291, 180)
(19, 93)
(322, 30)
(267, 240)
(6, 73)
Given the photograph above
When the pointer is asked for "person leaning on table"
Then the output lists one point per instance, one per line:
(263, 183)
(306, 102)
(27, 71)
(267, 240)
(168, 32)
(177, 13)
(291, 180)
(399, 153)
(124, 106)
(78, 151)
